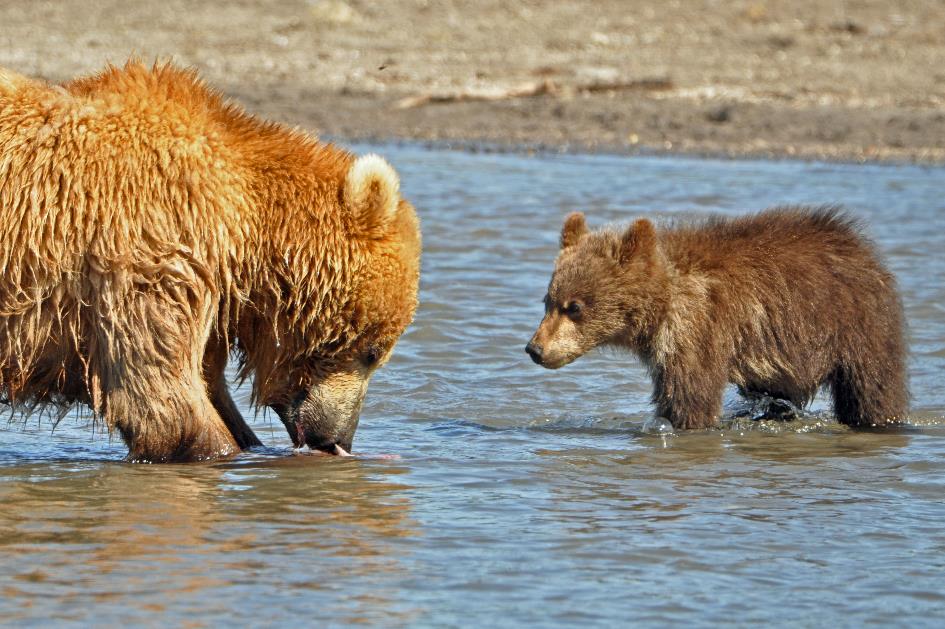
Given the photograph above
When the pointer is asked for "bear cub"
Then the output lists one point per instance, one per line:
(780, 303)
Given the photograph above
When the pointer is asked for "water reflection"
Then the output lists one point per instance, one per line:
(521, 497)
(145, 538)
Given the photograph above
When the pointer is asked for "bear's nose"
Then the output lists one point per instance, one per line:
(534, 350)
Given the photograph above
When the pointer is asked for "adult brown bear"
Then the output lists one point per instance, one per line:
(148, 228)
(779, 302)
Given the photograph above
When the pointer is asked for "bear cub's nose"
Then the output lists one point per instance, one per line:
(534, 350)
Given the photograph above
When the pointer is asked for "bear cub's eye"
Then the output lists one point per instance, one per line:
(573, 309)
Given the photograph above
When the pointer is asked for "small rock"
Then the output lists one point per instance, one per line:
(780, 42)
(720, 114)
(755, 12)
(597, 74)
(847, 26)
(334, 12)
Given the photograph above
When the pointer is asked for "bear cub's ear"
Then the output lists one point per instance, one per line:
(372, 192)
(638, 239)
(574, 229)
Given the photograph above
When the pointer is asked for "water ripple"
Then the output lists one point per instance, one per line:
(487, 491)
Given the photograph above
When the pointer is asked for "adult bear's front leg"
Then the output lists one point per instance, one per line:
(214, 367)
(168, 421)
(153, 326)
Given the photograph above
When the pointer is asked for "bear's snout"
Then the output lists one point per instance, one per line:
(534, 350)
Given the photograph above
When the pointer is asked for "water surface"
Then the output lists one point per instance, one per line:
(517, 495)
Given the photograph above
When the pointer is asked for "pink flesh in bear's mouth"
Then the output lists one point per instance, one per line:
(336, 449)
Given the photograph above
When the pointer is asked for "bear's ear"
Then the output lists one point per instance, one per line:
(372, 193)
(11, 81)
(639, 238)
(574, 229)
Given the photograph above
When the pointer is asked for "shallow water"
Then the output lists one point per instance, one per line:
(517, 495)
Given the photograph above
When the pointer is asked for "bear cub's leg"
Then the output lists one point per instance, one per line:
(871, 392)
(688, 398)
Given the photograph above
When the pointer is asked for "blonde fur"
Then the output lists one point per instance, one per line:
(372, 191)
(148, 227)
(10, 81)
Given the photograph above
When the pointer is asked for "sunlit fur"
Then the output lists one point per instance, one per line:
(149, 227)
(780, 302)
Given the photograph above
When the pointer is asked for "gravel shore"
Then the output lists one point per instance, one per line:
(819, 79)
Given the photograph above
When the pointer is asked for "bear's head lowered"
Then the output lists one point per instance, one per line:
(337, 285)
(607, 288)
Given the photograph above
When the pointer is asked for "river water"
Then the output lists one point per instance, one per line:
(491, 492)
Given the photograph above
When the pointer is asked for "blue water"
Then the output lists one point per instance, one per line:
(490, 492)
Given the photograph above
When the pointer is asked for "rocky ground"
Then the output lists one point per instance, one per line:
(834, 79)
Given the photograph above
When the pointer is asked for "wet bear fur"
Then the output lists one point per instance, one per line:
(149, 228)
(780, 303)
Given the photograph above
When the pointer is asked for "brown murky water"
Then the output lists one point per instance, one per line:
(517, 495)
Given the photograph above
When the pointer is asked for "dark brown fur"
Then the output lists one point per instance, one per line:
(780, 302)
